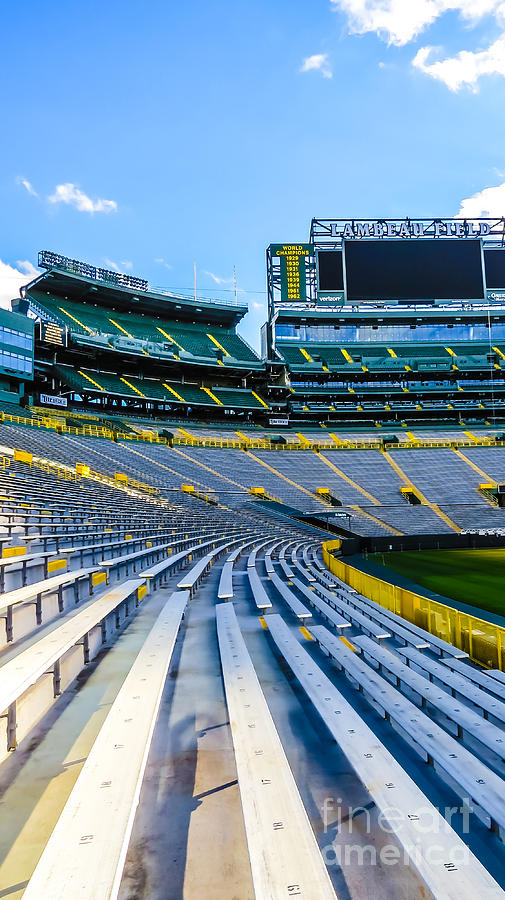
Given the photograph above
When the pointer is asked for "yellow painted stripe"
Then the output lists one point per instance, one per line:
(407, 481)
(169, 337)
(259, 399)
(207, 468)
(216, 342)
(120, 328)
(75, 320)
(91, 380)
(13, 551)
(450, 351)
(212, 396)
(346, 355)
(347, 643)
(285, 478)
(471, 436)
(243, 436)
(306, 633)
(302, 438)
(184, 432)
(263, 623)
(377, 521)
(132, 386)
(472, 465)
(305, 354)
(336, 438)
(98, 578)
(498, 351)
(412, 436)
(172, 391)
(346, 478)
(141, 591)
(392, 353)
(55, 564)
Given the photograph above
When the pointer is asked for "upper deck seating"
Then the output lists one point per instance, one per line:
(200, 341)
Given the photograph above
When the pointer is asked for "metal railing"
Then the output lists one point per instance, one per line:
(146, 437)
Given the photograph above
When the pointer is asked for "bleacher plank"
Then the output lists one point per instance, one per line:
(323, 608)
(355, 617)
(284, 856)
(482, 678)
(456, 683)
(25, 669)
(225, 588)
(467, 721)
(472, 778)
(33, 593)
(296, 606)
(438, 645)
(428, 840)
(260, 596)
(86, 852)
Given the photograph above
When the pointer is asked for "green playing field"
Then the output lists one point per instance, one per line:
(476, 577)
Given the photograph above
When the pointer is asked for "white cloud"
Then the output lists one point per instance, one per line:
(319, 62)
(11, 279)
(27, 185)
(162, 262)
(400, 21)
(121, 266)
(218, 279)
(464, 69)
(488, 202)
(72, 195)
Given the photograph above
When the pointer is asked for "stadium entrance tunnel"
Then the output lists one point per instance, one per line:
(411, 495)
(494, 492)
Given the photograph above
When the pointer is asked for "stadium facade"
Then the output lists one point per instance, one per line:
(371, 323)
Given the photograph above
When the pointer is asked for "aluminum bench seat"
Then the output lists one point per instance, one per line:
(438, 645)
(260, 596)
(428, 840)
(358, 619)
(467, 721)
(23, 670)
(33, 593)
(457, 684)
(467, 774)
(285, 861)
(105, 796)
(323, 608)
(401, 632)
(296, 606)
(485, 679)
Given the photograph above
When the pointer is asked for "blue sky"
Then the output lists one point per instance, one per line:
(147, 135)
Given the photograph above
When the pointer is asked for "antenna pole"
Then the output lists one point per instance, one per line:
(194, 271)
(235, 283)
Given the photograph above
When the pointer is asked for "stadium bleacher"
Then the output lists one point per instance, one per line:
(190, 701)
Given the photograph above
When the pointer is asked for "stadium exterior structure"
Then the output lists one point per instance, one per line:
(108, 342)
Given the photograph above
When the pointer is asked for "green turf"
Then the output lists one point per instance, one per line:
(476, 577)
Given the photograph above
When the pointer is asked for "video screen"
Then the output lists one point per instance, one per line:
(413, 270)
(330, 270)
(494, 265)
